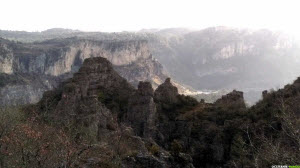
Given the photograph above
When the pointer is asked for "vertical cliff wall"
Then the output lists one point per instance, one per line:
(45, 64)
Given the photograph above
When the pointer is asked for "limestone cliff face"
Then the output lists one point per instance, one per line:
(60, 58)
(231, 50)
(57, 57)
(6, 58)
(24, 88)
(118, 53)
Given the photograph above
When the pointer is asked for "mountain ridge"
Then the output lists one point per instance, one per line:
(211, 59)
(97, 109)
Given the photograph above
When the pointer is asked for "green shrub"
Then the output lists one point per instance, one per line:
(132, 153)
(9, 117)
(176, 147)
(153, 149)
(101, 97)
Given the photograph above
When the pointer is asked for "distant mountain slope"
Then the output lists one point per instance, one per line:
(215, 58)
(226, 58)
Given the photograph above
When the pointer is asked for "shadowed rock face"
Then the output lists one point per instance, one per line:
(145, 89)
(141, 113)
(168, 129)
(166, 93)
(101, 101)
(234, 99)
(97, 95)
(85, 98)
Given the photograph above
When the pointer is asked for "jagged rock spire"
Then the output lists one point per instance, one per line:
(166, 92)
(83, 99)
(145, 89)
(142, 110)
(264, 94)
(234, 98)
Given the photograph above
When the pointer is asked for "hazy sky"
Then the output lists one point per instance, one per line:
(130, 15)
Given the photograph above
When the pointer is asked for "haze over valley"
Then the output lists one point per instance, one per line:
(209, 61)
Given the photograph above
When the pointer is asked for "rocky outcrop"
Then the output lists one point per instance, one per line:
(95, 99)
(85, 99)
(169, 106)
(264, 94)
(234, 99)
(100, 102)
(141, 113)
(166, 93)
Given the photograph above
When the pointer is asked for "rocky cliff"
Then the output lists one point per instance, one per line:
(99, 103)
(98, 119)
(141, 113)
(53, 61)
(94, 98)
